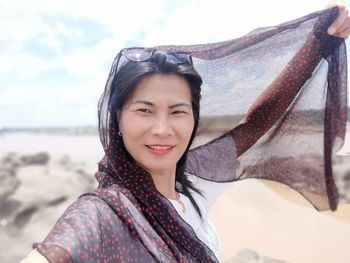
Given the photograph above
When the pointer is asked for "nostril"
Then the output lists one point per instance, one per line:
(161, 127)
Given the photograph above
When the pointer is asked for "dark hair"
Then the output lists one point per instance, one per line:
(125, 82)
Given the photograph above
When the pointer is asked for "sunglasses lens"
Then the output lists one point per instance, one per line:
(138, 54)
(143, 54)
(179, 58)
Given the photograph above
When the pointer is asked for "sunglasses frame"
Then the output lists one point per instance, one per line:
(175, 57)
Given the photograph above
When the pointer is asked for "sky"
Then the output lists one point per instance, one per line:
(55, 55)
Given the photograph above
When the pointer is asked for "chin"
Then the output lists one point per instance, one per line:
(156, 167)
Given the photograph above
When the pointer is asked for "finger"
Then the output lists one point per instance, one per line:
(336, 3)
(344, 34)
(343, 14)
(343, 26)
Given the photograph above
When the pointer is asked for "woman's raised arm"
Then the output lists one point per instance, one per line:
(276, 98)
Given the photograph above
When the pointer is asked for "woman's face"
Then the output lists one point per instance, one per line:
(157, 122)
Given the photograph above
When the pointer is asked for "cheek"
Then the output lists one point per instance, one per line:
(131, 130)
(186, 129)
(130, 125)
(131, 139)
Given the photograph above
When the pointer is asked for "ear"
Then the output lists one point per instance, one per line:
(118, 119)
(118, 115)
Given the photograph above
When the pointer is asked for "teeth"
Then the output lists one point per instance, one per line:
(159, 148)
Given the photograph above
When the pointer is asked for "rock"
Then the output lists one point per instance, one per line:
(36, 189)
(41, 158)
(56, 201)
(8, 208)
(86, 178)
(341, 171)
(9, 183)
(246, 256)
(250, 256)
(66, 162)
(23, 216)
(16, 214)
(272, 260)
(10, 160)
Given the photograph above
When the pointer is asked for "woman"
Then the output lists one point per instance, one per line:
(148, 206)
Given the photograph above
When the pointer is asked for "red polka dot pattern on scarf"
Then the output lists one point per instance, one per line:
(127, 220)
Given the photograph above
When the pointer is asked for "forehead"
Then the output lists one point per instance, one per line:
(162, 87)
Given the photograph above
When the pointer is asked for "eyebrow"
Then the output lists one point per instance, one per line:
(152, 104)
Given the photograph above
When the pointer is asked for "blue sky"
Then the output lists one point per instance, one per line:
(55, 55)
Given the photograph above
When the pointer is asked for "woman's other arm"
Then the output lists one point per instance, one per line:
(276, 98)
(34, 257)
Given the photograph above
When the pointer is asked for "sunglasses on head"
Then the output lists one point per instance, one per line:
(140, 54)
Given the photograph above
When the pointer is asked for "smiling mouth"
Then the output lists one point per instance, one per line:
(160, 147)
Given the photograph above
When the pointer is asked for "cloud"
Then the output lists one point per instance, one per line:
(66, 47)
(206, 20)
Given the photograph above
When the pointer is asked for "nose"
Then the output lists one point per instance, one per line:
(161, 126)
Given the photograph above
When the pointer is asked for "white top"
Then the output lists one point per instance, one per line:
(203, 228)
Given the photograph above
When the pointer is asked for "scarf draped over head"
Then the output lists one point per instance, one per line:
(296, 151)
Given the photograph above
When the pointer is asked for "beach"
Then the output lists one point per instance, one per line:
(43, 173)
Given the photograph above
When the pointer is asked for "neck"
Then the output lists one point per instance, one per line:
(164, 182)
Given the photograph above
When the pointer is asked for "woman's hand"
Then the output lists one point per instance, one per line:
(341, 25)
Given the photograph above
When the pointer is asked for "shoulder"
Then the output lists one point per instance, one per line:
(82, 227)
(86, 206)
(98, 199)
(81, 219)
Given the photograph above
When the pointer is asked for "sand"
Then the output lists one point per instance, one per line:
(267, 217)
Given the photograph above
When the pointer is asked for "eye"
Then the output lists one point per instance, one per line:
(179, 112)
(142, 110)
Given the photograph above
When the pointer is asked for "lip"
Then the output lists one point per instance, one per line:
(159, 149)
